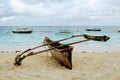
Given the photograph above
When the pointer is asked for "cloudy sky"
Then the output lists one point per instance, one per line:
(59, 12)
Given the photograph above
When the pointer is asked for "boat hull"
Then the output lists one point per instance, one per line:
(22, 31)
(93, 29)
(62, 54)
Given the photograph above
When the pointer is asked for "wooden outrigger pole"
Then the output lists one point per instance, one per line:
(20, 57)
(50, 43)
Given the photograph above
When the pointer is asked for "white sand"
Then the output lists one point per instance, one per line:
(86, 66)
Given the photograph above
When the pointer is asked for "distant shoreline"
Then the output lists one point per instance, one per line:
(78, 47)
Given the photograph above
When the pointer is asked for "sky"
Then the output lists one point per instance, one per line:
(59, 12)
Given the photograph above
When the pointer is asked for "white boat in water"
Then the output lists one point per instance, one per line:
(22, 30)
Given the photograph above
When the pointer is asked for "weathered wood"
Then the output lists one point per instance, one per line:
(62, 54)
(61, 48)
(88, 37)
(50, 43)
(96, 38)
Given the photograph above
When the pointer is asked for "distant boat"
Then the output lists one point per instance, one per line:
(93, 29)
(65, 31)
(118, 31)
(22, 30)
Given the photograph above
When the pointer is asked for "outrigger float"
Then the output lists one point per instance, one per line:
(61, 52)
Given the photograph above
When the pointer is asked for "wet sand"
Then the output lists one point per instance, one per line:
(86, 66)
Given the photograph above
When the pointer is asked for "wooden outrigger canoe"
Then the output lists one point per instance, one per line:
(62, 54)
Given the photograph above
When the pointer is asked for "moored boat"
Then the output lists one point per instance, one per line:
(93, 29)
(65, 31)
(62, 54)
(22, 30)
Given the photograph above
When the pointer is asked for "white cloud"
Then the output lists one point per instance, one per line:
(1, 5)
(88, 9)
(5, 9)
(8, 18)
(31, 2)
(60, 10)
(31, 10)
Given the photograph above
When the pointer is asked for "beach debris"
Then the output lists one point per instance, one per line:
(2, 52)
(18, 51)
(106, 51)
(55, 45)
(83, 51)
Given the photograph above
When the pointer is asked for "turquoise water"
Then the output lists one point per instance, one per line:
(39, 32)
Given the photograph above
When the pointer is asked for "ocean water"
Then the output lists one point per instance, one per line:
(39, 32)
(10, 41)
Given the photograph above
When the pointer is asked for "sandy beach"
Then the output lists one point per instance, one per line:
(90, 27)
(86, 66)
